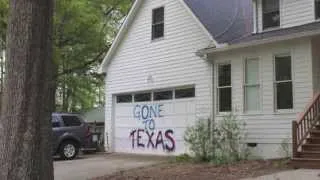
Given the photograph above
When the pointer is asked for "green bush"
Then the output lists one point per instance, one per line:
(198, 138)
(223, 143)
(229, 135)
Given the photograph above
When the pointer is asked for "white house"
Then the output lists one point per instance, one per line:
(178, 61)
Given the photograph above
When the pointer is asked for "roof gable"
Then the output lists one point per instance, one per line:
(223, 21)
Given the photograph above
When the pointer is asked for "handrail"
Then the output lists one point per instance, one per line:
(301, 128)
(309, 106)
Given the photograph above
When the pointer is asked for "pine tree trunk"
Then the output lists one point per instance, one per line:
(25, 152)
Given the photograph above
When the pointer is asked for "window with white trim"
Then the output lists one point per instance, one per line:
(224, 88)
(283, 82)
(162, 95)
(142, 97)
(317, 8)
(270, 13)
(252, 85)
(185, 93)
(126, 98)
(157, 23)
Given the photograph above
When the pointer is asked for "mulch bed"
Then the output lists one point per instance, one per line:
(191, 171)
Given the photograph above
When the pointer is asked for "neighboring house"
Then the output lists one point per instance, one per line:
(178, 61)
(95, 118)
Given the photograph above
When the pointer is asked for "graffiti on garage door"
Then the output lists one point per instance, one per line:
(156, 138)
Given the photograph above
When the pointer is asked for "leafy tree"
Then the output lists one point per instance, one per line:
(4, 6)
(83, 31)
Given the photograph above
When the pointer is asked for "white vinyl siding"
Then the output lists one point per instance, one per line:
(252, 85)
(268, 126)
(140, 64)
(292, 13)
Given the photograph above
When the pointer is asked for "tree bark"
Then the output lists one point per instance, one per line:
(25, 127)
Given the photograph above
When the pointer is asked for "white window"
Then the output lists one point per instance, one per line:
(252, 85)
(157, 23)
(162, 95)
(224, 88)
(270, 13)
(283, 82)
(317, 8)
(142, 97)
(185, 93)
(126, 98)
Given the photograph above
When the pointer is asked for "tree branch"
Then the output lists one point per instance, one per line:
(86, 64)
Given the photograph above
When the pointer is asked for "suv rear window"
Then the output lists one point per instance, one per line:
(71, 120)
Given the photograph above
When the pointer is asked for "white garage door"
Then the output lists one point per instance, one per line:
(153, 126)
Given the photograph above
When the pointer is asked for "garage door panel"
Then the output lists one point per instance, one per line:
(182, 107)
(123, 146)
(163, 122)
(153, 128)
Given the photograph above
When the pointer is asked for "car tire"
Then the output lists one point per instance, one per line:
(68, 150)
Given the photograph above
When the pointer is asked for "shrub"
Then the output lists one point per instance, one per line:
(198, 139)
(229, 135)
(221, 144)
(284, 150)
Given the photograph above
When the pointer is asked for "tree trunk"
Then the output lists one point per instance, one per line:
(25, 152)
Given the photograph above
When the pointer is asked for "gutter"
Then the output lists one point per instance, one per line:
(212, 50)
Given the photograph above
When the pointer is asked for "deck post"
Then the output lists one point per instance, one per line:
(294, 139)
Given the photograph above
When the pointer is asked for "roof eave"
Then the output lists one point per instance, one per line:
(213, 50)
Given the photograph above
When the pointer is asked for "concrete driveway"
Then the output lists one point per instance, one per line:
(90, 166)
(300, 174)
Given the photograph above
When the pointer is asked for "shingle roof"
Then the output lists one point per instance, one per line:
(278, 33)
(226, 20)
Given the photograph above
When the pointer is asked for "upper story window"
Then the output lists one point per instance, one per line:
(317, 9)
(157, 23)
(271, 13)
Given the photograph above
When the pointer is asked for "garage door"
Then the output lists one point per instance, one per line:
(153, 122)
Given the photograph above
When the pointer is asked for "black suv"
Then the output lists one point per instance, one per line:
(70, 134)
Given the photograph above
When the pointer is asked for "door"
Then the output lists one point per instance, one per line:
(153, 127)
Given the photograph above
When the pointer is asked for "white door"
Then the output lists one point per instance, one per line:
(153, 127)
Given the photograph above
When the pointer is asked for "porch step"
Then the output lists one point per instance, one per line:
(310, 154)
(307, 163)
(315, 133)
(313, 140)
(317, 127)
(311, 147)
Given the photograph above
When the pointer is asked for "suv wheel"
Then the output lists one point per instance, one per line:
(69, 150)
